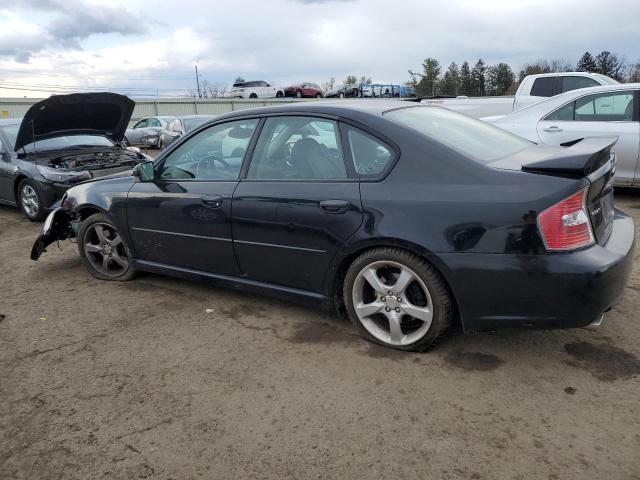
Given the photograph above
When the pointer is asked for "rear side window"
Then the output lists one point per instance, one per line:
(471, 137)
(298, 148)
(574, 83)
(603, 107)
(543, 87)
(370, 156)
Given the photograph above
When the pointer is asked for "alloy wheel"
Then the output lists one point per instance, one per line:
(392, 303)
(105, 250)
(29, 200)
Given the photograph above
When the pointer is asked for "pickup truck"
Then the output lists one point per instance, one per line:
(533, 89)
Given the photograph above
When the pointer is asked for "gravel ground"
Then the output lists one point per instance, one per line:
(160, 378)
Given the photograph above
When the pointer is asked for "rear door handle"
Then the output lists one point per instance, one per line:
(213, 201)
(552, 129)
(335, 206)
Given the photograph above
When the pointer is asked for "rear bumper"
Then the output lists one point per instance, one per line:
(558, 290)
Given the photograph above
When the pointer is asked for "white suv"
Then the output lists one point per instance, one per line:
(254, 89)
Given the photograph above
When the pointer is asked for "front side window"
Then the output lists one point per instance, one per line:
(370, 156)
(298, 148)
(473, 138)
(573, 83)
(213, 154)
(153, 122)
(543, 87)
(141, 124)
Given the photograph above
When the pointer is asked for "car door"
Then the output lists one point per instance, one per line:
(183, 217)
(613, 113)
(297, 204)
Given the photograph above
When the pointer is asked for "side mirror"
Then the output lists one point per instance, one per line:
(144, 171)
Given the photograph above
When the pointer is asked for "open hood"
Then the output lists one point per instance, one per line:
(105, 114)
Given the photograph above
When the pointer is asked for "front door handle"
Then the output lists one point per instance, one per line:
(212, 202)
(335, 206)
(552, 129)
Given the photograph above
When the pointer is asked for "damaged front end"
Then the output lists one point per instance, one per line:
(59, 225)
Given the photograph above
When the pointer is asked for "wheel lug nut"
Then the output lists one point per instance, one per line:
(390, 293)
(398, 309)
(387, 309)
(383, 299)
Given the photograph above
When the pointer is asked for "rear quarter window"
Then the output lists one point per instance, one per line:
(371, 157)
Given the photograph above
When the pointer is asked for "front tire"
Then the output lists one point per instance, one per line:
(253, 95)
(341, 95)
(397, 299)
(103, 250)
(299, 94)
(30, 200)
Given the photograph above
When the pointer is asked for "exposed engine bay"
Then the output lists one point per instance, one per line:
(118, 158)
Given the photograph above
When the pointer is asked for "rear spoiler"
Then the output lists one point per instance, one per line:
(578, 160)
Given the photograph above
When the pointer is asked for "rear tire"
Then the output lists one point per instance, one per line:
(29, 198)
(409, 308)
(103, 249)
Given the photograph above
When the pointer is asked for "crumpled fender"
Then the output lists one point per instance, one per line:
(56, 227)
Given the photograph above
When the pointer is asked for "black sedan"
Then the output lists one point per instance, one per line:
(343, 91)
(408, 217)
(61, 141)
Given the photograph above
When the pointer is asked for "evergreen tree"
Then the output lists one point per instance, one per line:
(478, 77)
(426, 82)
(466, 82)
(586, 63)
(609, 64)
(500, 79)
(450, 84)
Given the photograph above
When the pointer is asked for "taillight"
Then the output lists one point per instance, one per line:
(566, 225)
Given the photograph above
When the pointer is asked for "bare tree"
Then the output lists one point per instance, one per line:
(633, 75)
(328, 85)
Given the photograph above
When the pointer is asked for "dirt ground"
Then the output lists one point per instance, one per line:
(167, 379)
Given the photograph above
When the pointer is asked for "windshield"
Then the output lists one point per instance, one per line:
(607, 80)
(11, 132)
(474, 138)
(70, 141)
(190, 123)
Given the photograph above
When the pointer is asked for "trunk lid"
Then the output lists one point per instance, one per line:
(105, 114)
(590, 158)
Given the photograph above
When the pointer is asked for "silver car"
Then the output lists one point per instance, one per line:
(148, 131)
(564, 120)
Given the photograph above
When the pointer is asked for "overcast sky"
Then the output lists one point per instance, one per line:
(148, 46)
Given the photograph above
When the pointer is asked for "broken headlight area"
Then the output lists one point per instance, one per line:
(63, 176)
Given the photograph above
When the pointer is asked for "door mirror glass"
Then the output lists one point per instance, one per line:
(145, 171)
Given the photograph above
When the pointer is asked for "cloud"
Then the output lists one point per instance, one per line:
(284, 41)
(70, 22)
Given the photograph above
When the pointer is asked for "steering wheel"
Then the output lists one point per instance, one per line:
(208, 163)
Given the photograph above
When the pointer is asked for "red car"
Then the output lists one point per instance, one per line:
(301, 90)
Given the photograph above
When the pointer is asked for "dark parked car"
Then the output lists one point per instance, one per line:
(304, 90)
(151, 132)
(343, 91)
(179, 126)
(61, 141)
(408, 216)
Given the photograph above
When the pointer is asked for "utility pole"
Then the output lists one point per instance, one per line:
(198, 83)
